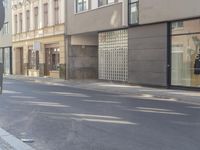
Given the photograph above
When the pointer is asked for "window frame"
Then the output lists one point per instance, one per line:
(56, 12)
(46, 14)
(20, 22)
(36, 25)
(129, 12)
(107, 3)
(28, 19)
(83, 6)
(16, 23)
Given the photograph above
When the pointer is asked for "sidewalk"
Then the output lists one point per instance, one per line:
(120, 88)
(9, 142)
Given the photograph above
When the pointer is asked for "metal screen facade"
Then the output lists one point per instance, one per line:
(113, 55)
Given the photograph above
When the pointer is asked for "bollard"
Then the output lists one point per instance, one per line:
(1, 77)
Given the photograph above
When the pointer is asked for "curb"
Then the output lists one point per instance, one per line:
(10, 142)
(166, 95)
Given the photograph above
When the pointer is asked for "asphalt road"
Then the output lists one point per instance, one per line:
(59, 117)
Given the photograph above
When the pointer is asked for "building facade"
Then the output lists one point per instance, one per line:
(164, 49)
(6, 39)
(134, 41)
(38, 38)
(97, 40)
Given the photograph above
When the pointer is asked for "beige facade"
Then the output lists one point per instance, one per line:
(39, 46)
(152, 11)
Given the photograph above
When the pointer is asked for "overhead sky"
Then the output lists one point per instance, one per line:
(2, 14)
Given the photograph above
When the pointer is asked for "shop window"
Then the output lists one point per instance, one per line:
(1, 55)
(185, 53)
(33, 59)
(53, 59)
(133, 12)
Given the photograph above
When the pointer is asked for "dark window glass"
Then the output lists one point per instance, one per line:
(133, 12)
(82, 5)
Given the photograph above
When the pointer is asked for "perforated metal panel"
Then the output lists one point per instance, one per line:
(113, 55)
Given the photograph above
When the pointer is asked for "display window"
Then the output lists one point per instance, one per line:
(33, 58)
(52, 59)
(185, 53)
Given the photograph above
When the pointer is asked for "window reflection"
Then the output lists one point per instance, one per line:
(186, 53)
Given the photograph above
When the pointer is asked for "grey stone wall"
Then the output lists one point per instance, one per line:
(147, 59)
(62, 71)
(83, 62)
(41, 69)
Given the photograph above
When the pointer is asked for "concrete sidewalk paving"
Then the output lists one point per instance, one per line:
(124, 89)
(10, 142)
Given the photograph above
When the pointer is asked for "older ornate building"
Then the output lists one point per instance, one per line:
(6, 36)
(38, 38)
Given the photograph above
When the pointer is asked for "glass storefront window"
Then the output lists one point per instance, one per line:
(33, 59)
(5, 54)
(1, 55)
(7, 62)
(186, 54)
(53, 59)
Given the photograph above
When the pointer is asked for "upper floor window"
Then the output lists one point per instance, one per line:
(27, 20)
(133, 12)
(20, 23)
(16, 24)
(5, 29)
(36, 17)
(82, 5)
(46, 14)
(105, 2)
(56, 11)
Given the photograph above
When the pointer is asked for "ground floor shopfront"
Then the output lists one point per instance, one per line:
(40, 57)
(185, 53)
(6, 59)
(164, 54)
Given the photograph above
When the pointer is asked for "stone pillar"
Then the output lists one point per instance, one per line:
(42, 61)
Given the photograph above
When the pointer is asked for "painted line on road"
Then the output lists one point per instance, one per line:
(12, 141)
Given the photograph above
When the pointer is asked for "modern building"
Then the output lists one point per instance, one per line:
(97, 38)
(6, 39)
(164, 46)
(135, 41)
(38, 38)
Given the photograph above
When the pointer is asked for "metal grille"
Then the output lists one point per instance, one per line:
(113, 55)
